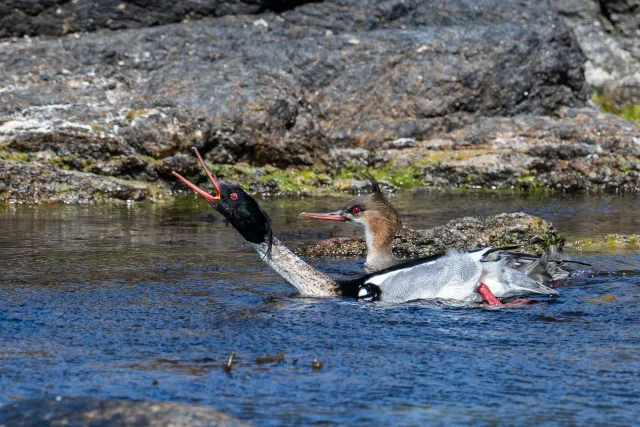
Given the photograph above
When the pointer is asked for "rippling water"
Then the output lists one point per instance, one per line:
(147, 301)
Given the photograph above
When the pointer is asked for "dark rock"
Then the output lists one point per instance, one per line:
(184, 164)
(323, 86)
(534, 234)
(91, 411)
(608, 34)
(59, 17)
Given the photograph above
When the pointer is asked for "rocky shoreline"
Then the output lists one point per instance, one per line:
(298, 97)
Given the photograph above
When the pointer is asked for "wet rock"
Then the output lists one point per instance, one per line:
(91, 411)
(534, 234)
(37, 183)
(184, 164)
(577, 149)
(611, 242)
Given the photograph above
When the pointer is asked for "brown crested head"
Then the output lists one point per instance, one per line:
(373, 211)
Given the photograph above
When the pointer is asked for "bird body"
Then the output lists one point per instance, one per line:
(380, 221)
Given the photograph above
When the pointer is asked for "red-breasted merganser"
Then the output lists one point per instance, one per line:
(380, 220)
(460, 276)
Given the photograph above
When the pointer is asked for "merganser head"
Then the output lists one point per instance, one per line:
(373, 211)
(239, 208)
(379, 218)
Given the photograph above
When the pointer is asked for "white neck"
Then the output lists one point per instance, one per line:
(306, 279)
(377, 258)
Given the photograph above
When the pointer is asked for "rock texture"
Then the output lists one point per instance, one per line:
(89, 411)
(534, 234)
(295, 87)
(608, 32)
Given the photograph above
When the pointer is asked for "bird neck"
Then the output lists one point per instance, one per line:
(379, 234)
(306, 279)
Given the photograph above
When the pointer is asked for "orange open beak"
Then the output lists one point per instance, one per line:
(333, 216)
(208, 197)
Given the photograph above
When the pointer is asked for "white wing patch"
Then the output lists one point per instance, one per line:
(377, 280)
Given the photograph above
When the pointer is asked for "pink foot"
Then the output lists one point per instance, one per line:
(493, 301)
(488, 295)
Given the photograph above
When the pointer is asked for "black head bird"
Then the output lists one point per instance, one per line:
(239, 208)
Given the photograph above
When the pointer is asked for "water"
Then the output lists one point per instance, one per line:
(146, 302)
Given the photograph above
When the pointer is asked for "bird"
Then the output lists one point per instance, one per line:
(380, 221)
(464, 277)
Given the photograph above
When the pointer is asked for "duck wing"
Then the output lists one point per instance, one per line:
(507, 282)
(547, 267)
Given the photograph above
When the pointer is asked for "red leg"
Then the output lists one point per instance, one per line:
(492, 300)
(488, 295)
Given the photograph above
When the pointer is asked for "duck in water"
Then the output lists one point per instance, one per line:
(466, 277)
(380, 221)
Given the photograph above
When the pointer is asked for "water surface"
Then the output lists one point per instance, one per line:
(146, 302)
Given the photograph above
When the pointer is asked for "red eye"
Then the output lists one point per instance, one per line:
(233, 196)
(355, 210)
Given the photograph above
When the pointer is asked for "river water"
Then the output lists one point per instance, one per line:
(147, 301)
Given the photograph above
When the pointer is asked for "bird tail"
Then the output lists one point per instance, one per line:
(547, 267)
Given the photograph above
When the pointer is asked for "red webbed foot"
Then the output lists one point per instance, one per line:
(488, 295)
(493, 301)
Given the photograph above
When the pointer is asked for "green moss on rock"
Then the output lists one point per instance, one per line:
(607, 104)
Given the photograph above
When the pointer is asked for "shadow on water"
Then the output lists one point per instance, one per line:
(147, 302)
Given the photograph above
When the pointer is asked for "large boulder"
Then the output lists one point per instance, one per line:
(608, 32)
(321, 87)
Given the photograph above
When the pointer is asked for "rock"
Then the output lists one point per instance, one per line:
(323, 86)
(46, 17)
(607, 31)
(92, 411)
(534, 234)
(36, 183)
(610, 242)
(578, 149)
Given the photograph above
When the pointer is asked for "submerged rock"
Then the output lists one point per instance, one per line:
(91, 411)
(611, 242)
(532, 233)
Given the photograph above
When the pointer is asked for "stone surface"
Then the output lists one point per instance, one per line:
(95, 412)
(60, 17)
(608, 32)
(37, 183)
(534, 234)
(611, 242)
(311, 87)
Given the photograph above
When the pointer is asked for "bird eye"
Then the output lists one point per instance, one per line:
(233, 196)
(355, 210)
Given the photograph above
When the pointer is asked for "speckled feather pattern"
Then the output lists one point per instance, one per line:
(306, 279)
